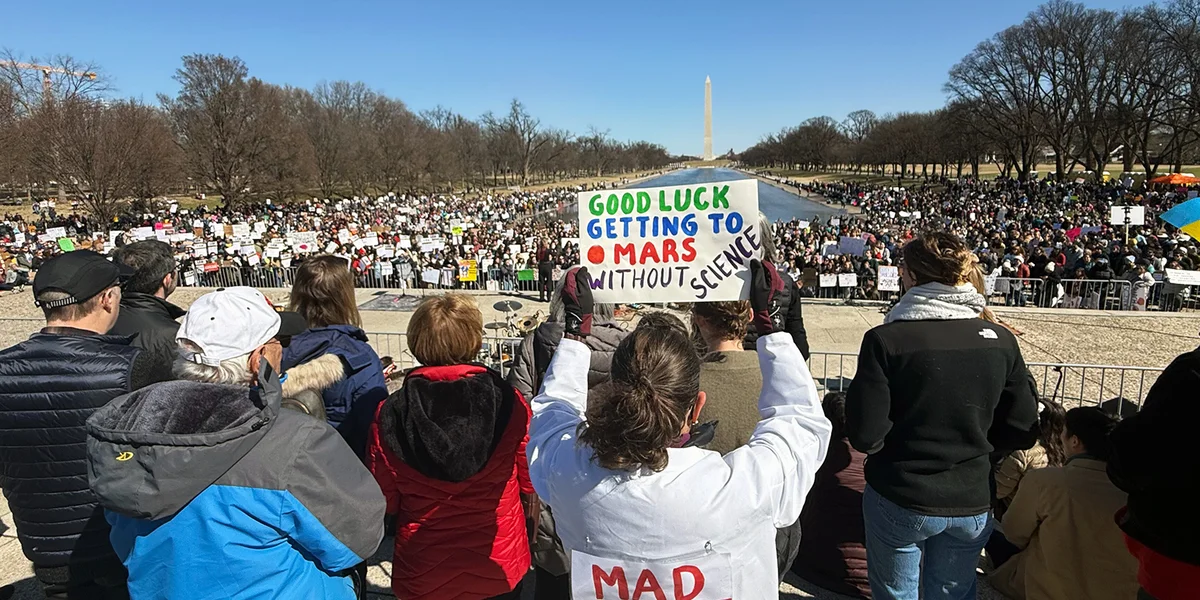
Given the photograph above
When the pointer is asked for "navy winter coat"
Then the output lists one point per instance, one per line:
(350, 404)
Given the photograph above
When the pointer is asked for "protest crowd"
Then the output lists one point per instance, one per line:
(1040, 243)
(236, 450)
(398, 241)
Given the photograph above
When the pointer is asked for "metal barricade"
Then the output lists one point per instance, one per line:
(1070, 384)
(1013, 291)
(498, 351)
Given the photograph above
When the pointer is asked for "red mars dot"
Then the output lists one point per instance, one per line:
(596, 255)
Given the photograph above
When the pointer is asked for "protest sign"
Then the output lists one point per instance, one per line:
(431, 276)
(1181, 277)
(386, 269)
(889, 279)
(56, 232)
(343, 236)
(66, 244)
(303, 241)
(241, 230)
(1132, 215)
(828, 281)
(707, 577)
(468, 270)
(672, 244)
(525, 275)
(847, 280)
(852, 246)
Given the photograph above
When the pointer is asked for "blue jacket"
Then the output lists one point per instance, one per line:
(213, 491)
(351, 403)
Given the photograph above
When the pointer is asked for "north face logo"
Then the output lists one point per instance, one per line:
(988, 334)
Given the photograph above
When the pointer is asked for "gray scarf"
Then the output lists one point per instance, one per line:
(938, 302)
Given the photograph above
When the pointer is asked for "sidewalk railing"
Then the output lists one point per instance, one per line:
(447, 279)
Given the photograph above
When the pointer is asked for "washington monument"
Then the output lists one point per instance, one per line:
(708, 155)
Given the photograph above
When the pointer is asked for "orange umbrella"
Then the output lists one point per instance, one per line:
(1176, 179)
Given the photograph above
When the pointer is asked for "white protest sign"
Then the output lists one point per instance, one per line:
(889, 279)
(707, 577)
(303, 241)
(847, 280)
(431, 276)
(828, 280)
(385, 269)
(241, 230)
(57, 232)
(1136, 215)
(672, 244)
(1181, 277)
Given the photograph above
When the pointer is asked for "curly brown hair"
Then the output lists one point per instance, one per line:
(724, 320)
(638, 414)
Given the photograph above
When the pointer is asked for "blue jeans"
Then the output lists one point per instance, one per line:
(899, 539)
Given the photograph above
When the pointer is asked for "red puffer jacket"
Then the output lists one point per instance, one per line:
(448, 451)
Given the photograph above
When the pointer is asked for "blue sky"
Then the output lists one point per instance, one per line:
(635, 68)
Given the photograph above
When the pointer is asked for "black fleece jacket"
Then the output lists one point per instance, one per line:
(930, 401)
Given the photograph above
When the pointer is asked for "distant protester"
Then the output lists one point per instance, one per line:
(145, 312)
(1062, 520)
(250, 500)
(795, 315)
(938, 388)
(448, 451)
(611, 465)
(324, 295)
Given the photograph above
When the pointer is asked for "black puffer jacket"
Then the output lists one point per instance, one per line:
(49, 385)
(152, 323)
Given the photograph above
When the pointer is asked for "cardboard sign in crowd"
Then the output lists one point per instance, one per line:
(688, 243)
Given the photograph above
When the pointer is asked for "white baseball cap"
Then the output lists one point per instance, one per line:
(232, 322)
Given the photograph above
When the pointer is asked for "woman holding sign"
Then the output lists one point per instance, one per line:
(640, 514)
(794, 323)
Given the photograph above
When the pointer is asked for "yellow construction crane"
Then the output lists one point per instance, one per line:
(46, 71)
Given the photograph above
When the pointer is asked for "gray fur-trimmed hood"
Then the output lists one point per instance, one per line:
(152, 451)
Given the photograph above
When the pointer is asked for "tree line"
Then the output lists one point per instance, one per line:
(234, 135)
(1071, 86)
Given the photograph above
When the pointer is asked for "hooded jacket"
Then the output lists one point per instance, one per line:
(448, 451)
(351, 403)
(152, 323)
(239, 498)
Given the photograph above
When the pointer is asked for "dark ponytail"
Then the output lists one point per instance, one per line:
(638, 414)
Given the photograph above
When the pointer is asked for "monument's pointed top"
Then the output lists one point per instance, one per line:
(707, 79)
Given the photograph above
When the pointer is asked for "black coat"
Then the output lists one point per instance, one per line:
(794, 324)
(49, 385)
(1154, 459)
(152, 323)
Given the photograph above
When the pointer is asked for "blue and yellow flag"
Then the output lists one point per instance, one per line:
(1186, 217)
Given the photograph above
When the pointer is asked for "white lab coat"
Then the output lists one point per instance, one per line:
(702, 502)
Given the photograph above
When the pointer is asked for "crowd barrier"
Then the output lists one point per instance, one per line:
(447, 279)
(1069, 384)
(1094, 294)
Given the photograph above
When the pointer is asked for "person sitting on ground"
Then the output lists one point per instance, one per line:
(1062, 520)
(832, 552)
(448, 451)
(794, 324)
(625, 494)
(1047, 452)
(49, 385)
(145, 312)
(323, 294)
(249, 500)
(732, 383)
(1156, 462)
